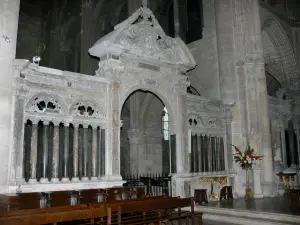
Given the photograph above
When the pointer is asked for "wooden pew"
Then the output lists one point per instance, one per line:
(43, 210)
(8, 202)
(59, 217)
(156, 211)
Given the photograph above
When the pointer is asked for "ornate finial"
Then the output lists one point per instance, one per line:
(145, 3)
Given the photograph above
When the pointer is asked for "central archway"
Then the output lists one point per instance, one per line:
(144, 146)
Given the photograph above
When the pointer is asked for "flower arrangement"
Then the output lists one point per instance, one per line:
(247, 158)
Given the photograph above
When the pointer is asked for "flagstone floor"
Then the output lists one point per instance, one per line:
(269, 205)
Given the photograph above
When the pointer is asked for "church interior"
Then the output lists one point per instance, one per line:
(116, 105)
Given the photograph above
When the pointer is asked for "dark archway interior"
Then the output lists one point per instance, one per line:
(144, 145)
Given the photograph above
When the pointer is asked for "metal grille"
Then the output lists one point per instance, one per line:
(153, 184)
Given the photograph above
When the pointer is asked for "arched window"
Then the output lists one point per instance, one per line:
(165, 124)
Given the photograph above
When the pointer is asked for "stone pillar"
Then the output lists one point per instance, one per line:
(75, 177)
(44, 178)
(228, 159)
(33, 151)
(66, 153)
(297, 130)
(253, 121)
(9, 11)
(112, 132)
(16, 165)
(181, 133)
(85, 153)
(277, 144)
(283, 146)
(55, 157)
(94, 153)
(291, 144)
(116, 122)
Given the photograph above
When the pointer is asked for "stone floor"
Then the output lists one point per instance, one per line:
(269, 205)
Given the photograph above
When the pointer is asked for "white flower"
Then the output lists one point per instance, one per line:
(243, 154)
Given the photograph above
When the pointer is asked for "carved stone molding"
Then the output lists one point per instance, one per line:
(46, 103)
(85, 108)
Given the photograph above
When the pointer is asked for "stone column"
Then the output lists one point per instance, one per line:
(9, 11)
(112, 132)
(116, 122)
(249, 59)
(55, 157)
(44, 178)
(75, 177)
(66, 153)
(297, 130)
(16, 165)
(181, 134)
(277, 143)
(85, 153)
(94, 153)
(228, 159)
(291, 144)
(283, 145)
(33, 151)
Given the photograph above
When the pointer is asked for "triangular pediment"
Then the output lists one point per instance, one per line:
(141, 37)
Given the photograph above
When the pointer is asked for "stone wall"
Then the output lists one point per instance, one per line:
(205, 77)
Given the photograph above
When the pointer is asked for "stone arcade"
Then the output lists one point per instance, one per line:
(60, 130)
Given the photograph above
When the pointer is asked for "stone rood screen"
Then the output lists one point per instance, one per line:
(67, 125)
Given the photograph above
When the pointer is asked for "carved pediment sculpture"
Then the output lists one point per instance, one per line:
(141, 38)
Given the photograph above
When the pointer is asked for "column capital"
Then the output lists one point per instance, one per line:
(66, 124)
(35, 120)
(45, 122)
(85, 125)
(56, 122)
(94, 126)
(75, 125)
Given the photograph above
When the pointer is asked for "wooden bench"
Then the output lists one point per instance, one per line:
(81, 216)
(156, 211)
(133, 211)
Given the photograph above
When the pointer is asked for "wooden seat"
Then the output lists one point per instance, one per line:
(200, 196)
(156, 211)
(58, 217)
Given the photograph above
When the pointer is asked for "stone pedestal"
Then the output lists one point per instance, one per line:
(257, 191)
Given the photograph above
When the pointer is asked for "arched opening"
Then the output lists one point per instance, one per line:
(144, 137)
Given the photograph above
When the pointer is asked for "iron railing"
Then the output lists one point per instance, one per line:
(153, 184)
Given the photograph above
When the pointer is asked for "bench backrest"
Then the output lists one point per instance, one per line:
(120, 202)
(43, 210)
(144, 206)
(56, 217)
